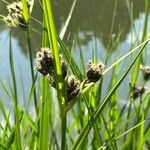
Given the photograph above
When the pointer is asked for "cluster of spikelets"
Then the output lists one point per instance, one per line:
(45, 65)
(146, 71)
(138, 91)
(15, 14)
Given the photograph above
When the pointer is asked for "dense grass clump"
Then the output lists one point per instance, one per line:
(70, 108)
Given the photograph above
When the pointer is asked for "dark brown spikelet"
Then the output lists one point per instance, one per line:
(45, 65)
(146, 71)
(72, 87)
(64, 66)
(44, 61)
(94, 71)
(137, 91)
(52, 80)
(51, 74)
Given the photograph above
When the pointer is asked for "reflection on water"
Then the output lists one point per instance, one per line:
(92, 18)
(97, 16)
(91, 21)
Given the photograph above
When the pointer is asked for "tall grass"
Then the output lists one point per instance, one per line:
(89, 120)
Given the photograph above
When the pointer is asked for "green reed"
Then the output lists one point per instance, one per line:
(97, 120)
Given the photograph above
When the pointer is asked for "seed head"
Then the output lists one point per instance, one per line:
(15, 14)
(44, 61)
(72, 87)
(45, 65)
(64, 66)
(52, 80)
(9, 21)
(15, 7)
(146, 70)
(94, 71)
(138, 91)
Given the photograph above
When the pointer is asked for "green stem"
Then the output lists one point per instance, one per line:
(17, 129)
(63, 129)
(60, 86)
(52, 38)
(31, 66)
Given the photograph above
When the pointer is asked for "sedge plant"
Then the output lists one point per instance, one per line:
(71, 111)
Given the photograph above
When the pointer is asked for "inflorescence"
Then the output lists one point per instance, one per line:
(94, 71)
(73, 87)
(137, 91)
(15, 14)
(45, 65)
(146, 71)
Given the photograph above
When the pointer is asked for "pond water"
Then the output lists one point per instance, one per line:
(92, 22)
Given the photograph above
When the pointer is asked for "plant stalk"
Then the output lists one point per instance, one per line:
(31, 66)
(63, 131)
(17, 128)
